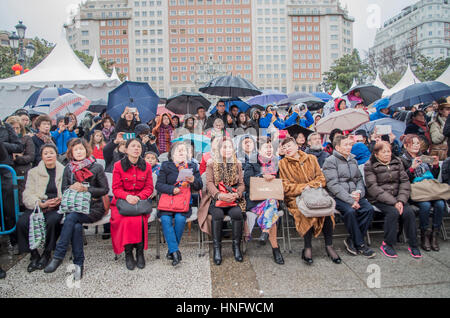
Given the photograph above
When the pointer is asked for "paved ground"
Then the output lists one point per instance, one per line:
(257, 276)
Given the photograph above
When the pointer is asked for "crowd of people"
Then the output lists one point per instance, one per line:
(362, 171)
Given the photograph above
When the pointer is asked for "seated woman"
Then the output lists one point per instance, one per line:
(82, 174)
(227, 169)
(267, 211)
(299, 171)
(208, 155)
(247, 151)
(218, 129)
(300, 139)
(173, 223)
(128, 121)
(132, 181)
(417, 171)
(97, 143)
(43, 187)
(388, 188)
(164, 131)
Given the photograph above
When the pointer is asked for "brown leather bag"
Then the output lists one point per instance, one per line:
(439, 151)
(261, 190)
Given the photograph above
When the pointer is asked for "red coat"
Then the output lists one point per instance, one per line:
(128, 229)
(97, 152)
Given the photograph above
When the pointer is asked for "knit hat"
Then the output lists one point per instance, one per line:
(142, 129)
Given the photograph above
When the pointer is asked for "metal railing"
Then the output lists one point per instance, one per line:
(14, 185)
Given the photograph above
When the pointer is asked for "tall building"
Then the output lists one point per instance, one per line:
(423, 27)
(178, 45)
(103, 26)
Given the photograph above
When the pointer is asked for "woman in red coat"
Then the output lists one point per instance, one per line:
(132, 181)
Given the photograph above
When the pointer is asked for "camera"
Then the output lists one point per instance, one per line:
(385, 138)
(66, 120)
(152, 137)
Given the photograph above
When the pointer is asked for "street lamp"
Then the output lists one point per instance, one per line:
(21, 30)
(14, 41)
(17, 44)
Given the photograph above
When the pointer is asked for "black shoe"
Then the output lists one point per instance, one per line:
(277, 257)
(179, 255)
(53, 266)
(175, 259)
(216, 229)
(34, 261)
(43, 261)
(335, 260)
(307, 260)
(366, 251)
(169, 256)
(2, 273)
(236, 227)
(78, 274)
(130, 262)
(350, 246)
(263, 238)
(140, 260)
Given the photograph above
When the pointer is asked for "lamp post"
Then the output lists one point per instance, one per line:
(16, 41)
(410, 58)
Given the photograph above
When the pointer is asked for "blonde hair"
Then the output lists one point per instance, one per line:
(16, 120)
(92, 141)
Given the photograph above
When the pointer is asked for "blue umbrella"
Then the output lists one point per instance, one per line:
(201, 142)
(243, 106)
(323, 96)
(135, 95)
(44, 96)
(421, 93)
(268, 97)
(292, 97)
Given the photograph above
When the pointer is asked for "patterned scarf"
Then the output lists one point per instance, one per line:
(422, 171)
(268, 165)
(425, 129)
(181, 166)
(164, 137)
(80, 168)
(46, 138)
(107, 132)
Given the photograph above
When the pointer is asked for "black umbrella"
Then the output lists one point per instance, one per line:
(98, 105)
(369, 93)
(231, 86)
(186, 103)
(419, 93)
(296, 129)
(313, 103)
(292, 97)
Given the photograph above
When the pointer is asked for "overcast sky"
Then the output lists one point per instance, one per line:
(44, 18)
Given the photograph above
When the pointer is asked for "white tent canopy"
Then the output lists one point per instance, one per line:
(379, 83)
(61, 68)
(445, 77)
(337, 92)
(354, 84)
(408, 79)
(96, 68)
(114, 74)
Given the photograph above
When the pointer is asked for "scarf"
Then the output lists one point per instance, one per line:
(268, 165)
(80, 168)
(421, 172)
(46, 138)
(164, 137)
(425, 129)
(107, 132)
(181, 166)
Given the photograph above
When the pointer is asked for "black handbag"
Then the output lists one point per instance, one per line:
(143, 207)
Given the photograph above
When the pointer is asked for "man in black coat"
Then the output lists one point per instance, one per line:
(222, 114)
(11, 143)
(446, 133)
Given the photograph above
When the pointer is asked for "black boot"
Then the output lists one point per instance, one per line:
(434, 240)
(216, 227)
(54, 264)
(425, 238)
(175, 259)
(277, 257)
(236, 227)
(34, 261)
(140, 260)
(130, 262)
(2, 273)
(43, 261)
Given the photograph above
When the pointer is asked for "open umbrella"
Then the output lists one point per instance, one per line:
(201, 143)
(347, 119)
(296, 129)
(136, 95)
(68, 103)
(98, 105)
(243, 106)
(267, 97)
(369, 93)
(398, 127)
(293, 97)
(313, 103)
(230, 86)
(186, 103)
(425, 92)
(44, 96)
(323, 96)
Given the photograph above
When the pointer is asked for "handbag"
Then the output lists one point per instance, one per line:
(143, 207)
(225, 189)
(261, 190)
(439, 151)
(75, 202)
(36, 233)
(175, 202)
(429, 190)
(315, 202)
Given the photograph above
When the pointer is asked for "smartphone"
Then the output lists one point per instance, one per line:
(66, 120)
(383, 130)
(385, 138)
(427, 159)
(129, 136)
(132, 110)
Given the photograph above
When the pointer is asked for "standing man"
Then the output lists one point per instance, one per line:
(201, 119)
(345, 183)
(222, 114)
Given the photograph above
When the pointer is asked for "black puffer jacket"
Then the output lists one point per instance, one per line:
(10, 141)
(111, 156)
(98, 187)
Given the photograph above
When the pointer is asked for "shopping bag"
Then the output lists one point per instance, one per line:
(36, 233)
